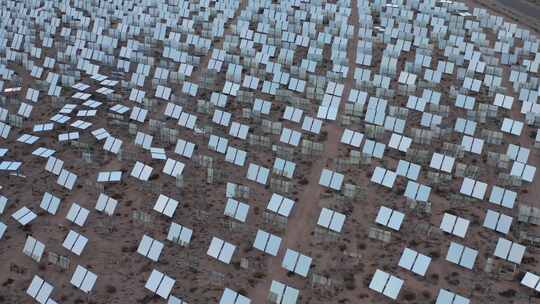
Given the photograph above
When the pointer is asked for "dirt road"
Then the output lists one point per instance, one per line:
(304, 219)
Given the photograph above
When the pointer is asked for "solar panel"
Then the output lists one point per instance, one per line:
(50, 203)
(523, 171)
(290, 137)
(407, 169)
(184, 148)
(221, 250)
(109, 176)
(284, 167)
(40, 290)
(394, 124)
(262, 106)
(390, 218)
(144, 140)
(283, 294)
(230, 296)
(384, 177)
(77, 214)
(160, 284)
(28, 139)
(513, 127)
(43, 152)
(352, 138)
(415, 103)
(417, 192)
(166, 205)
(465, 126)
(503, 101)
(4, 130)
(461, 255)
(138, 114)
(331, 179)
(386, 284)
(106, 204)
(112, 144)
(257, 173)
(442, 162)
(236, 210)
(267, 242)
(497, 221)
(472, 144)
(447, 297)
(34, 248)
(503, 197)
(3, 203)
(414, 261)
(221, 118)
(173, 167)
(280, 205)
(3, 228)
(239, 130)
(24, 216)
(218, 144)
(296, 262)
(509, 250)
(331, 219)
(454, 225)
(293, 114)
(150, 248)
(531, 280)
(100, 134)
(373, 148)
(179, 234)
(141, 171)
(75, 242)
(473, 188)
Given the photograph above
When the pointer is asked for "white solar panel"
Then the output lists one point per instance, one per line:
(77, 214)
(509, 250)
(150, 248)
(179, 234)
(75, 242)
(230, 296)
(414, 261)
(221, 250)
(141, 171)
(166, 205)
(280, 205)
(24, 216)
(284, 294)
(106, 204)
(258, 173)
(331, 219)
(236, 210)
(447, 297)
(386, 284)
(40, 290)
(331, 179)
(454, 225)
(34, 248)
(389, 217)
(267, 242)
(497, 221)
(461, 255)
(296, 262)
(49, 203)
(160, 284)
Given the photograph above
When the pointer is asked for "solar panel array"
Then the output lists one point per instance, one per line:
(300, 151)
